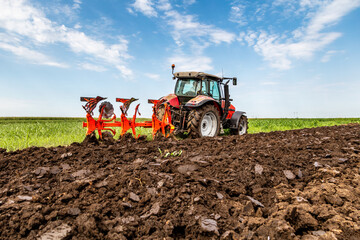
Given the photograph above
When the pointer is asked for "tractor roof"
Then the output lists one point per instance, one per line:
(195, 75)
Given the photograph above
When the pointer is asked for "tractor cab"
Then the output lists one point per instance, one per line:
(192, 84)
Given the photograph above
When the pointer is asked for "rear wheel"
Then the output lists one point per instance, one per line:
(242, 127)
(204, 122)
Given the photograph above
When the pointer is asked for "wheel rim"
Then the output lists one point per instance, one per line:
(208, 125)
(242, 127)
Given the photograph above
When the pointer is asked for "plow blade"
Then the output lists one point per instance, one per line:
(86, 99)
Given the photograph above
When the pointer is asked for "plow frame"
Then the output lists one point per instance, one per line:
(164, 125)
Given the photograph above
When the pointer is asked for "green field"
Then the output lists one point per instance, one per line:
(19, 133)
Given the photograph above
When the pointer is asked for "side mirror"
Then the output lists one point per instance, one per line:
(234, 81)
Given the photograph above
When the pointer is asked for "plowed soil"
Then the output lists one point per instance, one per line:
(300, 184)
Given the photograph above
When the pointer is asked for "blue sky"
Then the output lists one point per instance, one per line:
(292, 58)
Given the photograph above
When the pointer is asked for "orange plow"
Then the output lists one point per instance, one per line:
(107, 119)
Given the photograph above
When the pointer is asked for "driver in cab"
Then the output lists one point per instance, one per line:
(194, 89)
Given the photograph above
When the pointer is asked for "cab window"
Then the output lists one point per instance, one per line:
(187, 87)
(214, 90)
(204, 87)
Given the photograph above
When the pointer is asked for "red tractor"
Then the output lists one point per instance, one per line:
(201, 106)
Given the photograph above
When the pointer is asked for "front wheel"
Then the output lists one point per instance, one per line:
(204, 122)
(242, 127)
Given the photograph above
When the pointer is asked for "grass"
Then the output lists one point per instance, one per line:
(23, 132)
(19, 133)
(283, 124)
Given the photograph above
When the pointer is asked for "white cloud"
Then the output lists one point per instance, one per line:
(163, 5)
(92, 67)
(19, 18)
(77, 26)
(185, 27)
(218, 35)
(189, 2)
(130, 10)
(330, 14)
(306, 40)
(76, 4)
(33, 56)
(279, 54)
(145, 7)
(312, 3)
(329, 54)
(244, 12)
(250, 38)
(287, 3)
(191, 63)
(237, 14)
(81, 43)
(9, 38)
(190, 36)
(125, 71)
(153, 76)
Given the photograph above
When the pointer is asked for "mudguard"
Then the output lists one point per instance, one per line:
(235, 119)
(172, 99)
(200, 100)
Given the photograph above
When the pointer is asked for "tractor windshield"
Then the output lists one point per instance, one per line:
(187, 87)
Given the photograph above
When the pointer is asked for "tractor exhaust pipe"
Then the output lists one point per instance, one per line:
(227, 99)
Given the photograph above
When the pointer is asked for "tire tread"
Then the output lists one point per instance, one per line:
(195, 117)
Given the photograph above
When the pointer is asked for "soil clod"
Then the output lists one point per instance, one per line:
(209, 225)
(134, 197)
(289, 174)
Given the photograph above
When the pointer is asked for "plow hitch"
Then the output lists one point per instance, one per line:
(107, 120)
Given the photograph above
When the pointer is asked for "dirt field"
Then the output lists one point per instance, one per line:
(300, 184)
